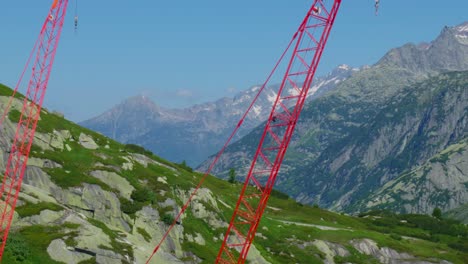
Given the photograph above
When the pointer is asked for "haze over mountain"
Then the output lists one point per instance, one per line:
(392, 136)
(194, 133)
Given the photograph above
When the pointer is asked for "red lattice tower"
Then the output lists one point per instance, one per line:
(310, 40)
(44, 50)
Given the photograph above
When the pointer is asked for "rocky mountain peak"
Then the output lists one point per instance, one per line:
(448, 52)
(461, 33)
(140, 102)
(343, 66)
(343, 70)
(463, 27)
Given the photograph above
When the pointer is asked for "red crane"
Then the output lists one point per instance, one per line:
(45, 49)
(310, 40)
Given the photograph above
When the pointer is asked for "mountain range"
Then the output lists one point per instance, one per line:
(192, 134)
(392, 136)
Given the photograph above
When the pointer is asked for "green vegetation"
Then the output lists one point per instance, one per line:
(64, 178)
(143, 194)
(117, 246)
(29, 244)
(356, 257)
(138, 149)
(444, 231)
(232, 176)
(70, 242)
(14, 115)
(29, 209)
(17, 249)
(437, 213)
(143, 233)
(6, 91)
(186, 167)
(89, 261)
(168, 219)
(129, 207)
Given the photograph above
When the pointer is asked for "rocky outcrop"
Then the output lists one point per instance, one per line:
(114, 181)
(440, 182)
(94, 202)
(331, 250)
(87, 141)
(387, 255)
(59, 251)
(199, 207)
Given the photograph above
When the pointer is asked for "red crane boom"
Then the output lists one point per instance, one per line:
(310, 42)
(45, 50)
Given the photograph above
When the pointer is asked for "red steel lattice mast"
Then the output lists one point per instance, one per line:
(310, 42)
(45, 50)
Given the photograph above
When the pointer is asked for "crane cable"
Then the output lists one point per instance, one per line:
(76, 16)
(377, 4)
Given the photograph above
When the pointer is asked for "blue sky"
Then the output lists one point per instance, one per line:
(181, 52)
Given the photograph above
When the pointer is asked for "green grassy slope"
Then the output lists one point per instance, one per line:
(286, 234)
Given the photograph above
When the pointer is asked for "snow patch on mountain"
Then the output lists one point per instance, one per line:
(344, 67)
(461, 33)
(255, 88)
(293, 92)
(271, 97)
(257, 110)
(463, 28)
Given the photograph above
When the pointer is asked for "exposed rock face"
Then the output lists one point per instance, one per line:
(373, 127)
(101, 205)
(115, 181)
(87, 141)
(330, 250)
(200, 202)
(43, 163)
(90, 201)
(387, 255)
(59, 251)
(44, 217)
(440, 182)
(447, 53)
